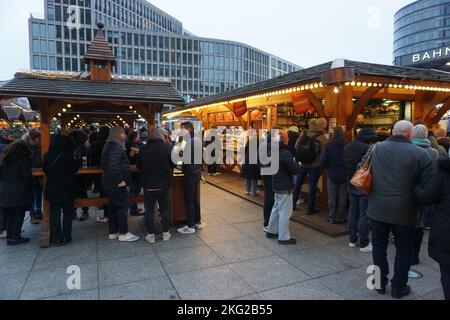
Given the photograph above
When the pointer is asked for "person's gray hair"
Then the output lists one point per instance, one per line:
(402, 128)
(156, 134)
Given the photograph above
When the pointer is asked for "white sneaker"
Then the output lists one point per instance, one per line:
(266, 229)
(150, 238)
(102, 220)
(3, 235)
(186, 230)
(114, 236)
(353, 245)
(129, 237)
(368, 249)
(166, 236)
(200, 226)
(247, 193)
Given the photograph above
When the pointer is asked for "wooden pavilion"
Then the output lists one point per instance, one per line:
(98, 97)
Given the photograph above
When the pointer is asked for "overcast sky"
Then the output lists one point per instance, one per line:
(302, 31)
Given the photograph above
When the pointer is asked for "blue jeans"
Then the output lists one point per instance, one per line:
(280, 216)
(314, 175)
(358, 221)
(36, 206)
(404, 243)
(337, 199)
(251, 185)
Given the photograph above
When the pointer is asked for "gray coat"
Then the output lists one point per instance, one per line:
(398, 166)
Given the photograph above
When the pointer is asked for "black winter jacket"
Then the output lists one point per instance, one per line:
(332, 159)
(438, 191)
(16, 186)
(155, 164)
(283, 181)
(60, 167)
(115, 165)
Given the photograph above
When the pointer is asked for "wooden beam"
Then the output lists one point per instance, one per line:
(430, 106)
(316, 103)
(361, 104)
(442, 111)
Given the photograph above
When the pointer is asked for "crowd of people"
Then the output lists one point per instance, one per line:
(115, 151)
(410, 185)
(410, 192)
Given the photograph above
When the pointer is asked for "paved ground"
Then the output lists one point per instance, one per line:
(230, 259)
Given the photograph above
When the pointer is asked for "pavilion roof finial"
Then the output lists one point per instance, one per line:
(99, 50)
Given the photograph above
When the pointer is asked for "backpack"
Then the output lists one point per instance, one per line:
(308, 149)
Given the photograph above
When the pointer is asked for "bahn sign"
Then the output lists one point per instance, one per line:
(430, 55)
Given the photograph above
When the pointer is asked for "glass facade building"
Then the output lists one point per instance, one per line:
(148, 43)
(422, 34)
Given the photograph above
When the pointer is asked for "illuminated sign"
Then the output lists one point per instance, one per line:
(430, 55)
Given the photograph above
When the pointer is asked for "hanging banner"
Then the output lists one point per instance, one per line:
(240, 108)
(301, 103)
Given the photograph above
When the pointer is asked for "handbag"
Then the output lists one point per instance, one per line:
(362, 179)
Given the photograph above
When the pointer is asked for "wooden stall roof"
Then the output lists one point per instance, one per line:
(314, 74)
(37, 86)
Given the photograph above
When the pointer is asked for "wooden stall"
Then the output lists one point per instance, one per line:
(346, 93)
(85, 98)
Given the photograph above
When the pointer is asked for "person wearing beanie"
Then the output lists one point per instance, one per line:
(311, 169)
(133, 147)
(358, 221)
(115, 179)
(420, 139)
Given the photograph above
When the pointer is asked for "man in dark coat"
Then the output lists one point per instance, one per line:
(156, 172)
(6, 138)
(115, 179)
(397, 167)
(438, 191)
(60, 167)
(16, 188)
(358, 221)
(332, 160)
(192, 168)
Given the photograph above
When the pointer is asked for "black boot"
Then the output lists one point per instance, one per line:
(398, 293)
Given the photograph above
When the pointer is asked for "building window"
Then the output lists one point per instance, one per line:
(36, 62)
(35, 27)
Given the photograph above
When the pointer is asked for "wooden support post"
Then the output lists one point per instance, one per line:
(45, 144)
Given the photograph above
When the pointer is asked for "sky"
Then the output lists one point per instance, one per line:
(303, 32)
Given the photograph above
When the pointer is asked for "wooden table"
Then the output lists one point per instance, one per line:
(178, 213)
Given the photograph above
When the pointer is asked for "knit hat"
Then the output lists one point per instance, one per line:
(5, 132)
(322, 123)
(420, 131)
(294, 129)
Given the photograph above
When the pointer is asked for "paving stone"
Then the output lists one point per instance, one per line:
(250, 297)
(268, 273)
(317, 262)
(233, 217)
(72, 254)
(113, 249)
(77, 296)
(189, 259)
(129, 269)
(178, 241)
(11, 285)
(19, 261)
(308, 290)
(240, 250)
(433, 296)
(53, 282)
(217, 283)
(154, 289)
(220, 234)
